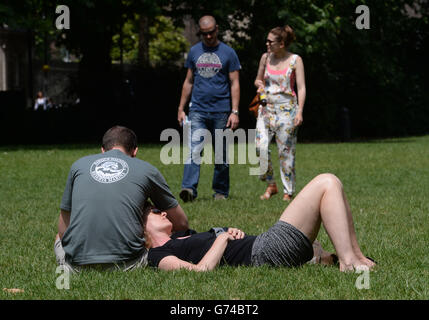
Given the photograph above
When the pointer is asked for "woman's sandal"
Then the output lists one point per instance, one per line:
(372, 260)
(326, 260)
(287, 197)
(320, 256)
(271, 190)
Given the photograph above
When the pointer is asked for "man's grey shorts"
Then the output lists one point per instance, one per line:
(138, 262)
(281, 245)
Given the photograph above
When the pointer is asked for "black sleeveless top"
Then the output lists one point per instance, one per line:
(193, 248)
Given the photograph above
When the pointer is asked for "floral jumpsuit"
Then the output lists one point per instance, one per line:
(277, 118)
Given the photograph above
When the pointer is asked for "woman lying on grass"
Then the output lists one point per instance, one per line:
(287, 243)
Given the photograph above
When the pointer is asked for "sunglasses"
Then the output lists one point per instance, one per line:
(204, 34)
(155, 210)
(270, 42)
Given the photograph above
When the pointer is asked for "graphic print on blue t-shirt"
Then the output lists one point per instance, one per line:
(211, 67)
(208, 65)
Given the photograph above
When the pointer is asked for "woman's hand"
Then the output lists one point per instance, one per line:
(298, 119)
(259, 84)
(235, 233)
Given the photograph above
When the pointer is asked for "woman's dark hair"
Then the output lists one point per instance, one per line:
(285, 34)
(147, 207)
(119, 136)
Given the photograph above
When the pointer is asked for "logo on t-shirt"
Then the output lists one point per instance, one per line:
(109, 170)
(208, 65)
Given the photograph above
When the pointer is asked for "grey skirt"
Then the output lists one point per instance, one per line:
(281, 245)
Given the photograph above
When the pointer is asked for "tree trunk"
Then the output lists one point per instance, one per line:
(143, 53)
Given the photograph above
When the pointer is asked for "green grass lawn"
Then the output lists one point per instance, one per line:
(386, 181)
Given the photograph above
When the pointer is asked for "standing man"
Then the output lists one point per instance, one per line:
(212, 84)
(100, 222)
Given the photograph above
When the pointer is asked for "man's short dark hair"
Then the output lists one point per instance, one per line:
(119, 136)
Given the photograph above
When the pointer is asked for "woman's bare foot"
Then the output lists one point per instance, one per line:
(368, 262)
(357, 264)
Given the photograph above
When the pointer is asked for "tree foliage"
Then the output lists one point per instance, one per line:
(167, 44)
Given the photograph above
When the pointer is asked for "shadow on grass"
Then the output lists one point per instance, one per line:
(90, 146)
(42, 147)
(71, 146)
(357, 141)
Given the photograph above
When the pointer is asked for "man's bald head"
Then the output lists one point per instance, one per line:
(207, 22)
(208, 31)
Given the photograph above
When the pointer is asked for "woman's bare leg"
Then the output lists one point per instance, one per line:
(323, 200)
(353, 237)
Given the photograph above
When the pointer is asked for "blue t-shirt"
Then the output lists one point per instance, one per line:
(211, 66)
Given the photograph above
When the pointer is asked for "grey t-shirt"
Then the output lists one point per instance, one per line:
(105, 194)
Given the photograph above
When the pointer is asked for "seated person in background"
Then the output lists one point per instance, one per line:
(41, 102)
(288, 243)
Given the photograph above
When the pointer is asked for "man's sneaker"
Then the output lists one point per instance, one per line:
(186, 195)
(219, 196)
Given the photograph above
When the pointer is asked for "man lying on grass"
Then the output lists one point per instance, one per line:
(287, 243)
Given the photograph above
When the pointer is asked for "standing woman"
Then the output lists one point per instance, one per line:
(279, 70)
